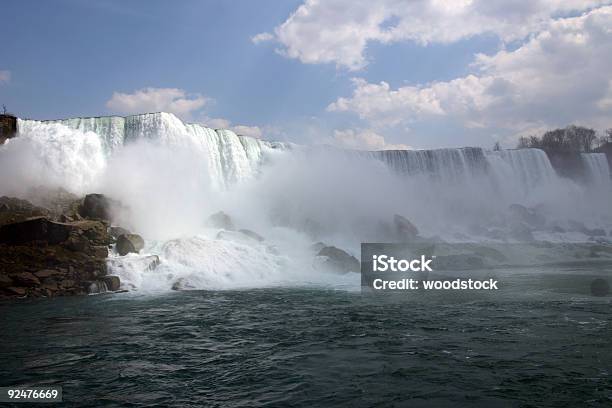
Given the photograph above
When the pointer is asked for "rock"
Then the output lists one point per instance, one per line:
(49, 287)
(26, 279)
(114, 232)
(77, 243)
(5, 281)
(65, 218)
(113, 283)
(220, 220)
(339, 260)
(317, 246)
(16, 291)
(67, 283)
(252, 234)
(404, 229)
(600, 287)
(14, 210)
(100, 251)
(48, 273)
(597, 232)
(521, 214)
(151, 262)
(96, 287)
(96, 207)
(182, 284)
(95, 231)
(129, 243)
(35, 229)
(42, 257)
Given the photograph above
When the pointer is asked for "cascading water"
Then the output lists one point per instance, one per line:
(597, 169)
(445, 164)
(172, 175)
(231, 158)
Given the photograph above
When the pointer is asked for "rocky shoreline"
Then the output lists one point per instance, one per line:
(60, 249)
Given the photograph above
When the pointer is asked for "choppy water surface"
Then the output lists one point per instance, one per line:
(543, 340)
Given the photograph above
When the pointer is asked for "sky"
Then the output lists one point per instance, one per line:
(360, 74)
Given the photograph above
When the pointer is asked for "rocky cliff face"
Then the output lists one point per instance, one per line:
(8, 127)
(44, 252)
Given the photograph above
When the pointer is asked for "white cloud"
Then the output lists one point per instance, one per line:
(216, 123)
(338, 31)
(364, 140)
(171, 100)
(560, 75)
(261, 37)
(242, 130)
(252, 131)
(5, 77)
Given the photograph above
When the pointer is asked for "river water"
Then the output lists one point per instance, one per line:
(541, 340)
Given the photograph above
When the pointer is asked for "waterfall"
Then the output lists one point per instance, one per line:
(444, 164)
(596, 169)
(231, 158)
(521, 171)
(170, 176)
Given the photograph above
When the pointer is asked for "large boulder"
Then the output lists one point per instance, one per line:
(404, 229)
(338, 260)
(113, 283)
(116, 231)
(35, 229)
(317, 246)
(521, 214)
(96, 207)
(129, 243)
(220, 220)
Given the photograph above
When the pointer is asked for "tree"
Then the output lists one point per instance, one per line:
(571, 139)
(608, 136)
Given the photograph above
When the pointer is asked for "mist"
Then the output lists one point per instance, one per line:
(166, 178)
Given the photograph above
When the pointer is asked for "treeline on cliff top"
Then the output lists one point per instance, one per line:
(570, 139)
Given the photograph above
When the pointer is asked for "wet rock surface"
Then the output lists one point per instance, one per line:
(46, 252)
(129, 243)
(221, 220)
(338, 260)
